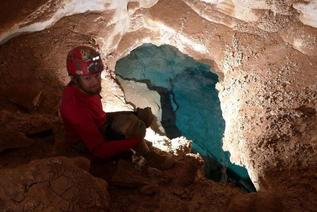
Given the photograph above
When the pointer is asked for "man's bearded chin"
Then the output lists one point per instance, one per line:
(94, 91)
(90, 91)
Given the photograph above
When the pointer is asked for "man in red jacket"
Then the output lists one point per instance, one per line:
(103, 134)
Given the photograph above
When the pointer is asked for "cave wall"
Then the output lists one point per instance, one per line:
(265, 53)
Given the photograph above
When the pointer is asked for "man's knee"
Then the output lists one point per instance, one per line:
(146, 115)
(139, 129)
(129, 125)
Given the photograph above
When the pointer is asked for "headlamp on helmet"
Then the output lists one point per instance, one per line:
(83, 60)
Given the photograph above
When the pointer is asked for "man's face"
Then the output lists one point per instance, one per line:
(91, 84)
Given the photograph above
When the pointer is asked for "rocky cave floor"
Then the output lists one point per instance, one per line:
(39, 172)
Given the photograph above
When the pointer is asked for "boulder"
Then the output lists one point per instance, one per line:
(28, 124)
(128, 176)
(52, 184)
(10, 139)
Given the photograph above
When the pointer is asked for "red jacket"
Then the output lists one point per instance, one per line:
(84, 118)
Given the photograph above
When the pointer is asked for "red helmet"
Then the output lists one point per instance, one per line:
(83, 60)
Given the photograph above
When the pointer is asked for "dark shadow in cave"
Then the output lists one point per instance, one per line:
(168, 114)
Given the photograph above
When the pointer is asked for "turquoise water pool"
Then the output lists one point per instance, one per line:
(189, 101)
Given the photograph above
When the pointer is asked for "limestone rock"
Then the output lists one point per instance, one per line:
(256, 202)
(150, 189)
(264, 52)
(184, 172)
(26, 96)
(128, 176)
(28, 124)
(10, 139)
(53, 184)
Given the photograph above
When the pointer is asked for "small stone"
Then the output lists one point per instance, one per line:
(150, 189)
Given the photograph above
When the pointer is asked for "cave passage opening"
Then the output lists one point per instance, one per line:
(189, 104)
